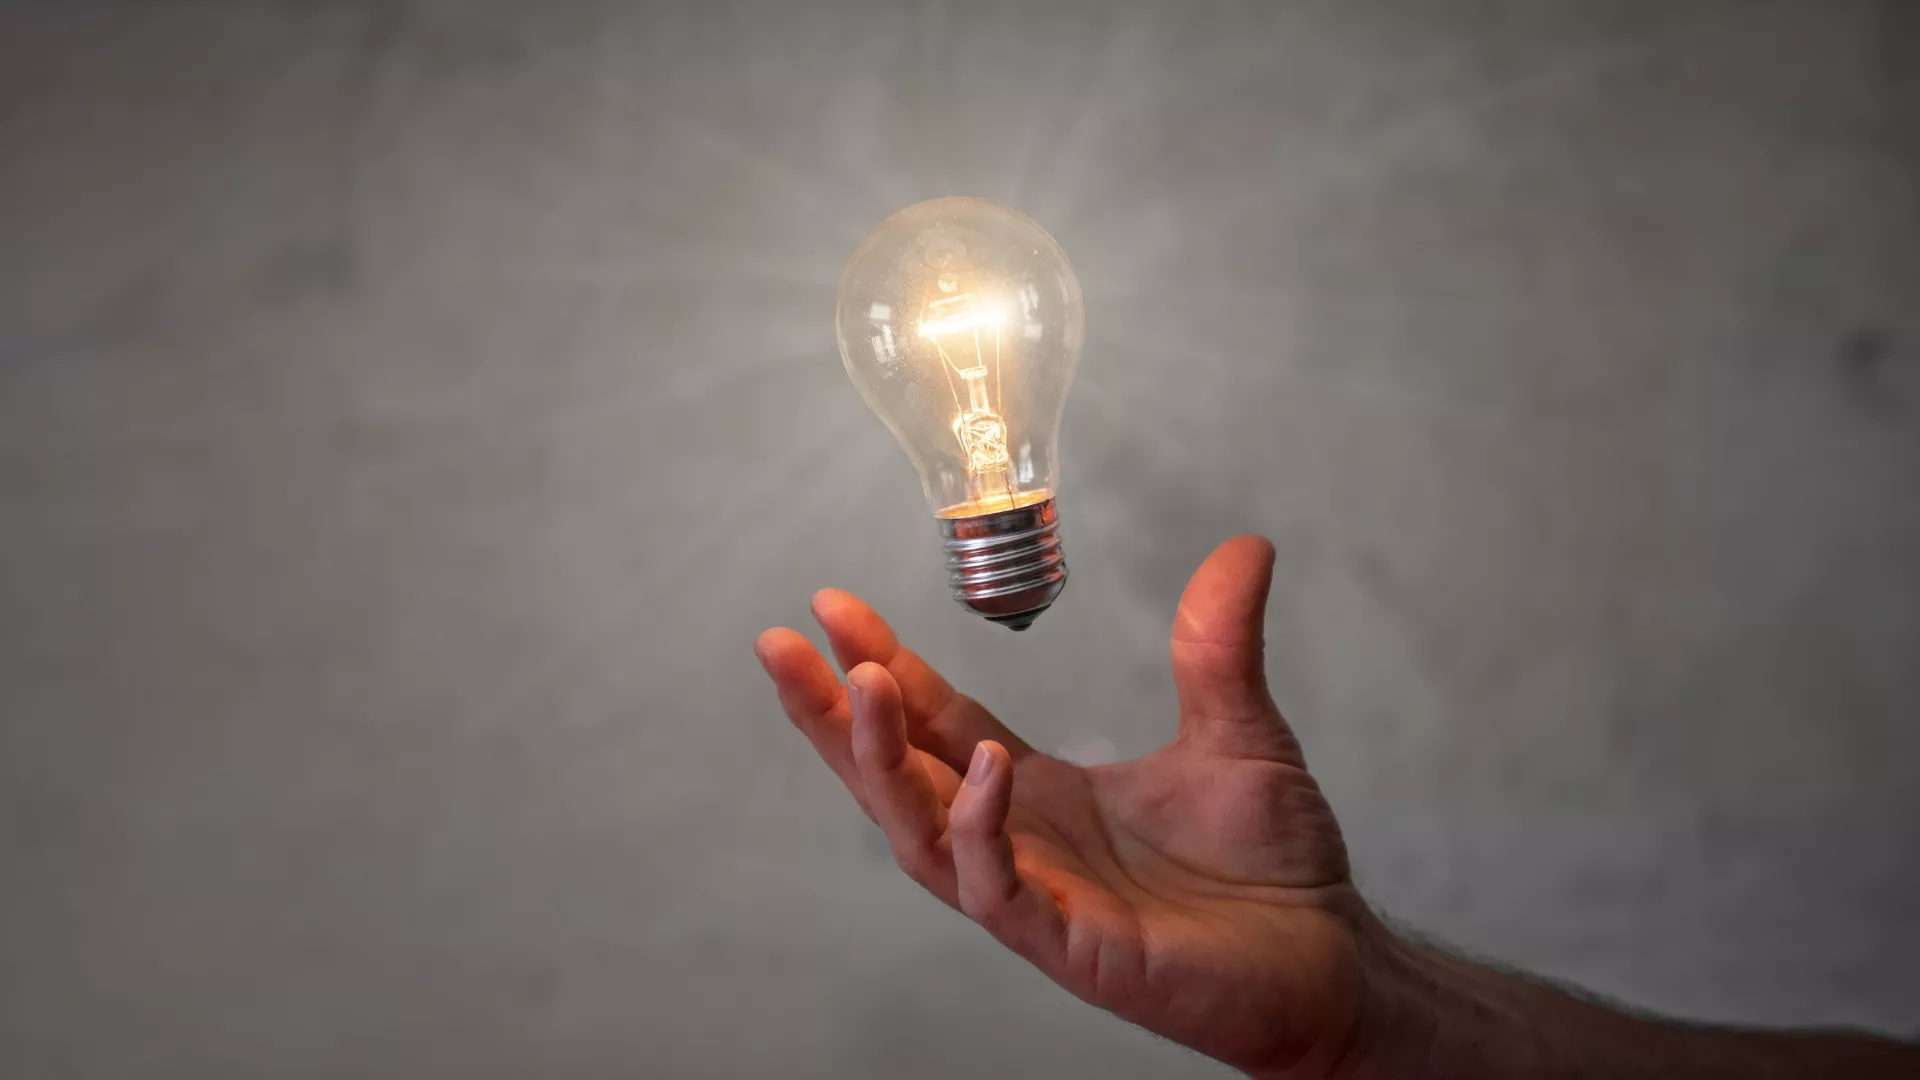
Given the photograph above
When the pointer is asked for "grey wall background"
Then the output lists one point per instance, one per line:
(409, 413)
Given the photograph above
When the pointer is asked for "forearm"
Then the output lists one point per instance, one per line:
(1432, 1016)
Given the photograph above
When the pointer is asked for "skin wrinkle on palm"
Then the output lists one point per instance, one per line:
(1110, 896)
(1203, 891)
(396, 442)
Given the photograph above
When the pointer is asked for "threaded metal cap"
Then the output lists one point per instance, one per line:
(1007, 565)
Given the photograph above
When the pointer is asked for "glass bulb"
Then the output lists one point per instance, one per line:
(960, 321)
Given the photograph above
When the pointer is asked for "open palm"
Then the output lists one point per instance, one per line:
(1201, 891)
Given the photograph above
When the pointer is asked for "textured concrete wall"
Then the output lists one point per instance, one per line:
(409, 413)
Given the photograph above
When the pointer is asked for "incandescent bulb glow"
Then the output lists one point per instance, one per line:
(960, 321)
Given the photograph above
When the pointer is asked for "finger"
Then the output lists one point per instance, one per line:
(1219, 664)
(813, 699)
(991, 891)
(940, 720)
(899, 791)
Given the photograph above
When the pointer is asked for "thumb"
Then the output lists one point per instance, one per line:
(1219, 667)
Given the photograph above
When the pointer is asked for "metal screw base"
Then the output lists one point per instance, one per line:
(1006, 565)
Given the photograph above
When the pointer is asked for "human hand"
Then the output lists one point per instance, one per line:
(1201, 892)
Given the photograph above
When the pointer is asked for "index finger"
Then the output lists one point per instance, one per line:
(940, 720)
(814, 700)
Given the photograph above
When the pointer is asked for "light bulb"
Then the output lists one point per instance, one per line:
(960, 321)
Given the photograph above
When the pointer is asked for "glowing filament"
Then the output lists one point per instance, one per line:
(959, 327)
(984, 438)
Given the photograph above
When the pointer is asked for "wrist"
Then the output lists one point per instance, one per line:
(1400, 1006)
(1393, 1025)
(1426, 1015)
(1429, 1015)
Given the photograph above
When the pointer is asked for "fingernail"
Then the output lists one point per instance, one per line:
(980, 767)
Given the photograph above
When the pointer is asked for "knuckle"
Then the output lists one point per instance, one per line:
(998, 916)
(983, 907)
(914, 860)
(971, 823)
